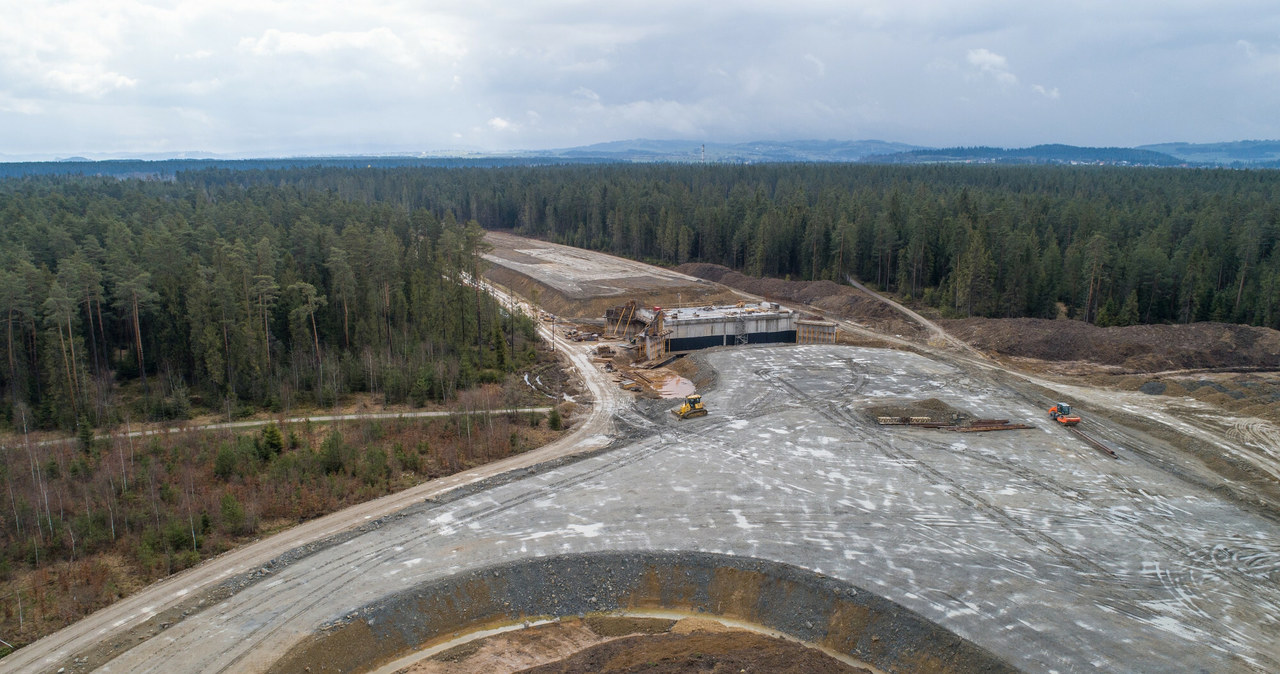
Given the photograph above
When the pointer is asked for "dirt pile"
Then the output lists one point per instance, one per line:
(1138, 348)
(934, 409)
(832, 298)
(695, 369)
(1247, 394)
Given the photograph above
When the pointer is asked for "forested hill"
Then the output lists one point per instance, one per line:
(1112, 246)
(1039, 154)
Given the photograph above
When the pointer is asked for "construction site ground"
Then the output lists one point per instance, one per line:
(578, 284)
(1028, 543)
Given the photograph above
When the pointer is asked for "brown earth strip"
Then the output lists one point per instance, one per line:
(1136, 348)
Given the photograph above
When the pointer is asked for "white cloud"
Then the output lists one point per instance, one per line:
(201, 87)
(817, 64)
(86, 80)
(19, 105)
(1263, 62)
(594, 66)
(1051, 94)
(499, 124)
(993, 64)
(382, 41)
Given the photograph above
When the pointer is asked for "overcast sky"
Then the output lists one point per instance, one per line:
(272, 77)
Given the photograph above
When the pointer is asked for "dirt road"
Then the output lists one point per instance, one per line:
(254, 423)
(938, 336)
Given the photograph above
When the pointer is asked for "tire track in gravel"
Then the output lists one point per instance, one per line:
(1036, 538)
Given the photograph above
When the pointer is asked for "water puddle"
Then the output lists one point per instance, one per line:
(668, 384)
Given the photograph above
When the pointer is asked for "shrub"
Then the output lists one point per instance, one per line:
(178, 535)
(410, 461)
(226, 464)
(375, 466)
(272, 441)
(84, 433)
(233, 519)
(332, 454)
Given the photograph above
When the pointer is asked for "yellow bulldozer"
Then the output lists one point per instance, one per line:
(691, 408)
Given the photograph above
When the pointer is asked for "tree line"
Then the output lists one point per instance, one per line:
(1108, 245)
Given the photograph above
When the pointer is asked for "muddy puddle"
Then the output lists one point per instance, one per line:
(668, 384)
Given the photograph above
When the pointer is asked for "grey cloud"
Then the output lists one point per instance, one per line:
(286, 77)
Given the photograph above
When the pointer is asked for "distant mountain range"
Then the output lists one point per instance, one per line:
(1238, 154)
(732, 153)
(1248, 153)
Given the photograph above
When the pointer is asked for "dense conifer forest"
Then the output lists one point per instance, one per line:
(1111, 246)
(233, 299)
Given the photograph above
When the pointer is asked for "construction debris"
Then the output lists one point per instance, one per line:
(974, 426)
(1092, 442)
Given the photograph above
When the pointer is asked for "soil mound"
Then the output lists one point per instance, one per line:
(702, 651)
(1137, 348)
(934, 409)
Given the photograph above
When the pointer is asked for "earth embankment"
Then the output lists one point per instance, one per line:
(1135, 348)
(804, 605)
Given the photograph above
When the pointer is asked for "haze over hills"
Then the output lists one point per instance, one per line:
(1239, 153)
(755, 151)
(1236, 154)
(1243, 151)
